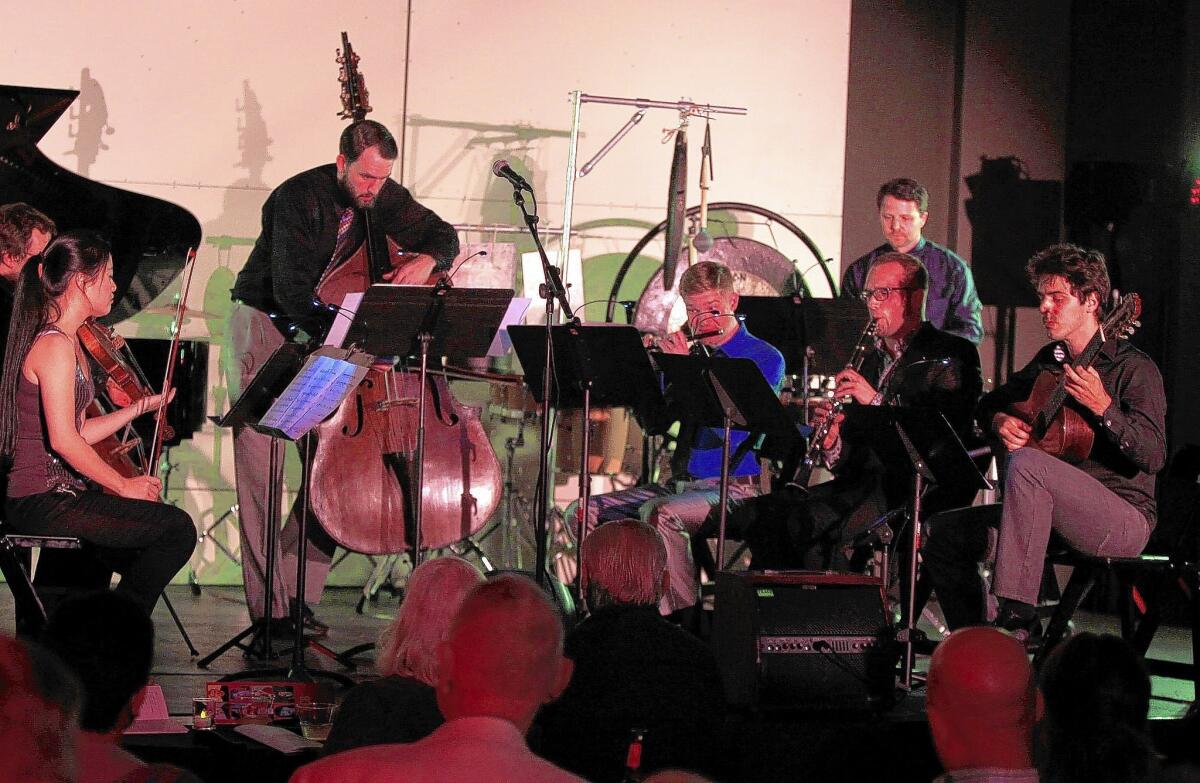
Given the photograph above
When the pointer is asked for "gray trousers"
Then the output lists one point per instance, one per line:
(1042, 493)
(250, 341)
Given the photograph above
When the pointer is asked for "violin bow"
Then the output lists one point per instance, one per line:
(160, 415)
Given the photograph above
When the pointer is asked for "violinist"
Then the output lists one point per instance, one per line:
(311, 224)
(1103, 505)
(678, 513)
(57, 479)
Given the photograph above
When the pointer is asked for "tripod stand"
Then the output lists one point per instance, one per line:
(299, 397)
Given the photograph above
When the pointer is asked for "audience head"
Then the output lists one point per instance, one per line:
(982, 701)
(39, 713)
(504, 655)
(108, 641)
(1097, 695)
(435, 591)
(624, 562)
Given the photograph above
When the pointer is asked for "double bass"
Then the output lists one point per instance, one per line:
(362, 482)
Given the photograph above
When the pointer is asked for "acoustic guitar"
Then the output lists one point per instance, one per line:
(1059, 429)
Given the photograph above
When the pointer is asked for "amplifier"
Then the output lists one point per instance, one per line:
(803, 639)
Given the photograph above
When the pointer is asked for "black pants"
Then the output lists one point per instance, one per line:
(146, 542)
(956, 542)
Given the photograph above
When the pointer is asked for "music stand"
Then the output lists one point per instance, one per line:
(403, 320)
(779, 320)
(831, 330)
(922, 437)
(727, 393)
(597, 364)
(255, 399)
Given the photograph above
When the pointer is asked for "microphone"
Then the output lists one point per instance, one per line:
(501, 169)
(445, 281)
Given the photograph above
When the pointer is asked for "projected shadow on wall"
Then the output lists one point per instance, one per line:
(89, 124)
(477, 145)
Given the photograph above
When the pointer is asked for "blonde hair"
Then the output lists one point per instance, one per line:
(705, 276)
(436, 589)
(623, 563)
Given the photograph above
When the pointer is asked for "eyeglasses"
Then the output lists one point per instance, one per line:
(881, 294)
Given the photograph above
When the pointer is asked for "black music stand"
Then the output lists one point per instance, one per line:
(831, 329)
(731, 394)
(596, 364)
(438, 320)
(310, 392)
(922, 437)
(253, 402)
(780, 321)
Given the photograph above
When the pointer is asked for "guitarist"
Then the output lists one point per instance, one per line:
(1101, 505)
(310, 224)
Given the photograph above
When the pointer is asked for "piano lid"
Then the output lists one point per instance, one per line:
(26, 113)
(150, 237)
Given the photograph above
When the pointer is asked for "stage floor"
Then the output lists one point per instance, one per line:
(219, 613)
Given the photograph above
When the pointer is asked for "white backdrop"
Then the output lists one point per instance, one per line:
(211, 104)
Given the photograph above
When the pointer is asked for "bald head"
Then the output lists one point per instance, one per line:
(503, 657)
(982, 700)
(623, 563)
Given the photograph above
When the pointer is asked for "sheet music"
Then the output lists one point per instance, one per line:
(502, 343)
(341, 323)
(328, 375)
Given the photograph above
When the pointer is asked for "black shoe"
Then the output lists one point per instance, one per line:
(1022, 621)
(312, 626)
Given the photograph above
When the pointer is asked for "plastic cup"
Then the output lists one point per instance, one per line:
(316, 718)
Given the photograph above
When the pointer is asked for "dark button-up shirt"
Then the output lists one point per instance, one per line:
(299, 232)
(936, 371)
(1130, 445)
(952, 303)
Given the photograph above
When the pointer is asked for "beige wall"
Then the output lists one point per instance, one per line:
(210, 104)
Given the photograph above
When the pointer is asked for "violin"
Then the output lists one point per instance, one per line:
(111, 353)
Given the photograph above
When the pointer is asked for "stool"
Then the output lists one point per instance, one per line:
(1139, 608)
(30, 610)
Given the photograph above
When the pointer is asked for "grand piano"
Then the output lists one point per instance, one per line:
(150, 237)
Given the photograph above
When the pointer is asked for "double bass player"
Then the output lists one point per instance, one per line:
(311, 224)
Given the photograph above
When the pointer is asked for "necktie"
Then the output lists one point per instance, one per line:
(343, 235)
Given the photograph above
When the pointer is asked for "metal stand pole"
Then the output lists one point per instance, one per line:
(910, 626)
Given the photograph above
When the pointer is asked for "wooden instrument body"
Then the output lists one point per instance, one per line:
(1067, 434)
(353, 276)
(104, 345)
(363, 469)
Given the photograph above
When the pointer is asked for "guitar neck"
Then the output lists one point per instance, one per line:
(1059, 397)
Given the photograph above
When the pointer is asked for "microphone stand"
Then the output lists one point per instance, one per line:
(553, 291)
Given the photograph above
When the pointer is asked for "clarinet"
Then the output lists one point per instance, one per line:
(815, 450)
